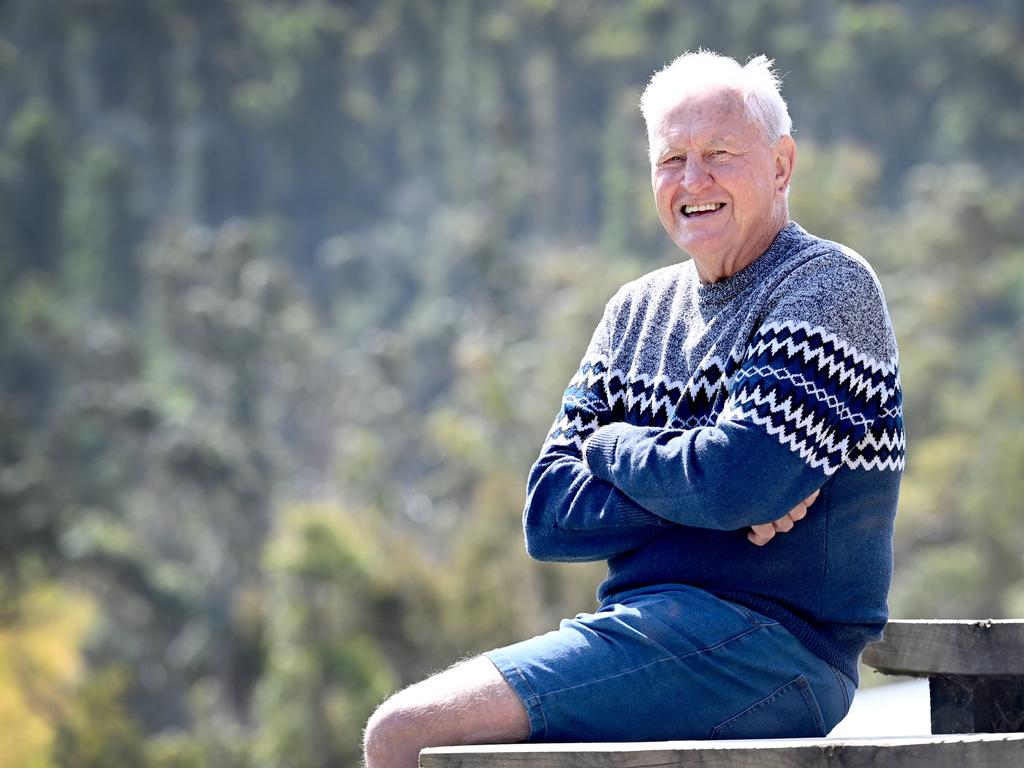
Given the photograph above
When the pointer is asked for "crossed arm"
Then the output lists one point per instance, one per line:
(628, 484)
(803, 398)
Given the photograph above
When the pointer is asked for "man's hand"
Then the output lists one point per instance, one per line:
(762, 534)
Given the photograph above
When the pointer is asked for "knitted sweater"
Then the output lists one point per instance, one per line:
(701, 409)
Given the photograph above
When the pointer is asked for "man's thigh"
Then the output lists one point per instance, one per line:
(675, 664)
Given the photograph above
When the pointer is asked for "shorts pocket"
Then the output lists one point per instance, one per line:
(790, 711)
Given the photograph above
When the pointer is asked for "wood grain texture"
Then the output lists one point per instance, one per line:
(988, 750)
(977, 703)
(926, 648)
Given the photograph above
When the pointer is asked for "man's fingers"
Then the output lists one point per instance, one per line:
(784, 524)
(765, 532)
(799, 512)
(761, 534)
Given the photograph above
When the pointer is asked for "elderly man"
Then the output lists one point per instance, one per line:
(748, 392)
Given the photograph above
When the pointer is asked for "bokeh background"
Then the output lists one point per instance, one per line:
(289, 292)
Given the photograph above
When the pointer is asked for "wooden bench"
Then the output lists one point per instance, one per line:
(975, 672)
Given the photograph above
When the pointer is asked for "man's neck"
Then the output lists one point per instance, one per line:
(724, 267)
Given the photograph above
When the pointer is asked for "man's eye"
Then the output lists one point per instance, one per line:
(719, 153)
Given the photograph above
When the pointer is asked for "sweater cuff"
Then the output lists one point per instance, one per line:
(599, 450)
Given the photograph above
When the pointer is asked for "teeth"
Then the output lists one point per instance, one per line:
(688, 209)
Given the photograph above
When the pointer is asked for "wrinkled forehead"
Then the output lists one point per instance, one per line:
(706, 107)
(704, 121)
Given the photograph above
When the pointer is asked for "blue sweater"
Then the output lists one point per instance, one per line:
(701, 409)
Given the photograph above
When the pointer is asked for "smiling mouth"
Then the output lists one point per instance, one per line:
(690, 211)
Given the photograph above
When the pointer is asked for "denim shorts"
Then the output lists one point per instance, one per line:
(672, 662)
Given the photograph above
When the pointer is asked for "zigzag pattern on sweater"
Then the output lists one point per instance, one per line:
(821, 398)
(823, 351)
(815, 393)
(598, 395)
(584, 405)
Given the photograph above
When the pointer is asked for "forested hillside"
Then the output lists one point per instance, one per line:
(289, 292)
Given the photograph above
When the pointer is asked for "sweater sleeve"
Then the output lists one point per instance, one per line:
(817, 389)
(570, 515)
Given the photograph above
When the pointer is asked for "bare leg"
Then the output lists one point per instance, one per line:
(470, 703)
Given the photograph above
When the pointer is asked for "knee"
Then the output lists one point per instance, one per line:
(392, 736)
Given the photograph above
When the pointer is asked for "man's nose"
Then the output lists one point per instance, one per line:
(696, 176)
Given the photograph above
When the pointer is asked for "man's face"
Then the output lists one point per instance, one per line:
(718, 186)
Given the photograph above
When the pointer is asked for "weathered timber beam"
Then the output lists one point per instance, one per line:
(966, 751)
(975, 670)
(977, 703)
(948, 647)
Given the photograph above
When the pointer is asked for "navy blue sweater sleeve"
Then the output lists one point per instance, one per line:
(570, 514)
(818, 373)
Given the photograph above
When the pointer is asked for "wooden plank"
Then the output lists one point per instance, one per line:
(977, 703)
(927, 648)
(988, 750)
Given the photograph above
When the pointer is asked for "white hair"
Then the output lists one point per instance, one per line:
(756, 83)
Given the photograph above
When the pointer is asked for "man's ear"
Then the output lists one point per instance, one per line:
(785, 159)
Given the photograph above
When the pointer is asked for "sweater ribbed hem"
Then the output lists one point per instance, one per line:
(599, 450)
(839, 645)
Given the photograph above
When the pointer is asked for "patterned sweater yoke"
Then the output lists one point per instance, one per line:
(701, 409)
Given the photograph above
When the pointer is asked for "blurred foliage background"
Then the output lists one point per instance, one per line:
(289, 292)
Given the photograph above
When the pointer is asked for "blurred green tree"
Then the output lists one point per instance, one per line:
(289, 292)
